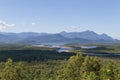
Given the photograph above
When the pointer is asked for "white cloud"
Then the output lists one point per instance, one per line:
(74, 27)
(4, 25)
(33, 23)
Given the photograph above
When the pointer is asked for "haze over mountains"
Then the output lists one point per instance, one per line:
(57, 38)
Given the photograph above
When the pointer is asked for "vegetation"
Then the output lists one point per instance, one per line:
(89, 68)
(101, 48)
(29, 53)
(33, 63)
(76, 68)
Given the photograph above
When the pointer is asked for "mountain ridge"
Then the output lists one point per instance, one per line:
(62, 37)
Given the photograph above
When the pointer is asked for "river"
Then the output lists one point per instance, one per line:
(66, 49)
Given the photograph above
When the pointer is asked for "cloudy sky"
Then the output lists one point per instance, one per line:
(101, 16)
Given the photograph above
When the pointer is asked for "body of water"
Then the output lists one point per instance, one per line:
(67, 49)
(102, 55)
(64, 49)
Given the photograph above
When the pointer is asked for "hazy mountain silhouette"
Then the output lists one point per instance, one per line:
(63, 37)
(90, 35)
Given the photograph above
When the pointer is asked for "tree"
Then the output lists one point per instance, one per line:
(72, 69)
(12, 71)
(110, 72)
(89, 76)
(91, 64)
(80, 68)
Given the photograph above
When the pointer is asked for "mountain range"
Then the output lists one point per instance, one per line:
(56, 38)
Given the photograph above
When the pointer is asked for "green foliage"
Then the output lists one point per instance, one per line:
(47, 64)
(12, 72)
(77, 68)
(33, 55)
(91, 64)
(88, 68)
(72, 70)
(110, 72)
(89, 76)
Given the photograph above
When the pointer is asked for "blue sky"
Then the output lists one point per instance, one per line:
(53, 16)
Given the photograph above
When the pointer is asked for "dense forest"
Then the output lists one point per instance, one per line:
(30, 63)
(76, 68)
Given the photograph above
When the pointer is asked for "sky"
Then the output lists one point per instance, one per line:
(53, 16)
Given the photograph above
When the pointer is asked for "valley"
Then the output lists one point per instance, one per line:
(42, 63)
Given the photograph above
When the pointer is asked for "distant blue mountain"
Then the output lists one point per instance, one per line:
(58, 38)
(90, 35)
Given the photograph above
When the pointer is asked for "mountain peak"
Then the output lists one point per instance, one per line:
(63, 32)
(106, 37)
(88, 31)
(62, 37)
(104, 34)
(90, 35)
